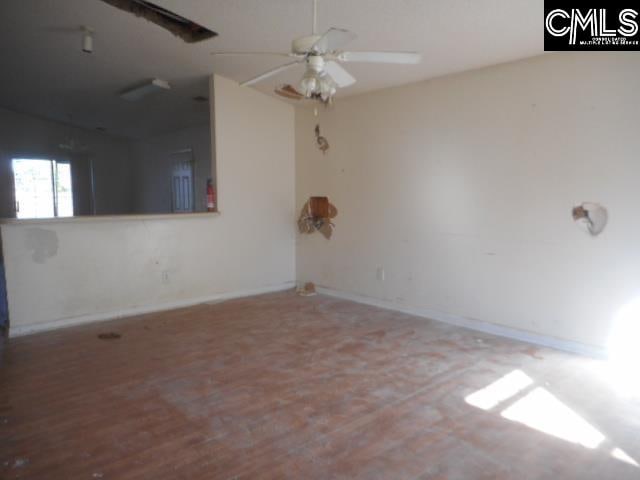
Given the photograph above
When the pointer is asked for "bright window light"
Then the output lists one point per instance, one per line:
(64, 194)
(542, 411)
(619, 454)
(33, 188)
(43, 188)
(500, 390)
(624, 349)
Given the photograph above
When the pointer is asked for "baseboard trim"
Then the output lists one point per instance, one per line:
(21, 330)
(477, 325)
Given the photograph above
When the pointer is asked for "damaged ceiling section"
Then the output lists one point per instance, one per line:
(184, 28)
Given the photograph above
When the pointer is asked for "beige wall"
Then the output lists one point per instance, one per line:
(461, 189)
(61, 272)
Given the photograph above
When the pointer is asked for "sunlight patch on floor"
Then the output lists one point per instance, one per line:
(500, 390)
(542, 411)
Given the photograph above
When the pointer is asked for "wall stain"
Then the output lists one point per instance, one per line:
(42, 243)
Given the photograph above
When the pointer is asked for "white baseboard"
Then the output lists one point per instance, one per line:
(20, 330)
(477, 325)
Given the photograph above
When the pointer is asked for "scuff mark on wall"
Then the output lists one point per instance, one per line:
(321, 141)
(42, 243)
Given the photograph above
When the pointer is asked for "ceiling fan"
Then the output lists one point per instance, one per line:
(72, 144)
(321, 55)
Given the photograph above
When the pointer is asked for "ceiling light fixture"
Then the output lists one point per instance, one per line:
(141, 91)
(315, 85)
(322, 56)
(316, 82)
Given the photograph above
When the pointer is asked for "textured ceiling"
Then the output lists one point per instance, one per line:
(45, 73)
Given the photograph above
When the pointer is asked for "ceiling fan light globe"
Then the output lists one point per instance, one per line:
(308, 85)
(325, 87)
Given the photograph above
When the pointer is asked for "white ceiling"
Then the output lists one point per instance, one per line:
(45, 73)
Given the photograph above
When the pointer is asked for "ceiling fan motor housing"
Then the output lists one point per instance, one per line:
(315, 63)
(302, 45)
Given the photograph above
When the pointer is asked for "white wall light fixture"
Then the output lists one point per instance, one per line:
(87, 40)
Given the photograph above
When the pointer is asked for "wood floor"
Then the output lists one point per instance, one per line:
(285, 387)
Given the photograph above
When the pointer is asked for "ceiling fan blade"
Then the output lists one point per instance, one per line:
(333, 39)
(269, 73)
(410, 58)
(339, 74)
(288, 91)
(233, 54)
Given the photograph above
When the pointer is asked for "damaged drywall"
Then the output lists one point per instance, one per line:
(184, 28)
(591, 217)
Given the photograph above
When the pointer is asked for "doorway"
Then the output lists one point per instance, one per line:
(182, 181)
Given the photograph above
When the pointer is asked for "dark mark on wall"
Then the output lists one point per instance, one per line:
(43, 243)
(109, 336)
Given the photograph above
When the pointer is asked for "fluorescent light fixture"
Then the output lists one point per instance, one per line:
(141, 91)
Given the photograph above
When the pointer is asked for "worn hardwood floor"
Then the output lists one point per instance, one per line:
(279, 386)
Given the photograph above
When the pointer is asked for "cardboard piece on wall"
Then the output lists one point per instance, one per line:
(316, 214)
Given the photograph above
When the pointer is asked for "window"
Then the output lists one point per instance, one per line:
(42, 188)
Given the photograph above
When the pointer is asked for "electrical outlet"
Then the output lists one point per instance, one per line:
(380, 274)
(165, 276)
